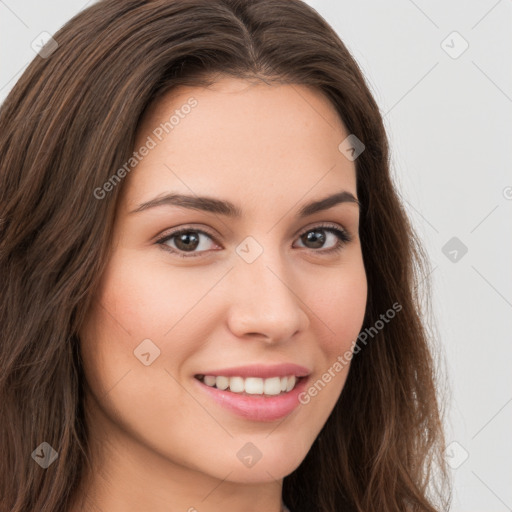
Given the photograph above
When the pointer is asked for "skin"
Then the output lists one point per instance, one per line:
(158, 441)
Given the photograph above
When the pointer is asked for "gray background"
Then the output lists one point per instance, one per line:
(449, 122)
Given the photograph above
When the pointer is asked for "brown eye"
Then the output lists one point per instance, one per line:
(317, 237)
(185, 241)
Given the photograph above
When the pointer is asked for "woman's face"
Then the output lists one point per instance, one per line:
(262, 295)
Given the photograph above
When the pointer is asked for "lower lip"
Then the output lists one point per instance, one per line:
(257, 407)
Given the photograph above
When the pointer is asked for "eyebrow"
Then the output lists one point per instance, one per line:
(228, 209)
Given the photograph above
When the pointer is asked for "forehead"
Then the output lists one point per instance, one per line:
(244, 140)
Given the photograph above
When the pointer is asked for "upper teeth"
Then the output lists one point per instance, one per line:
(252, 385)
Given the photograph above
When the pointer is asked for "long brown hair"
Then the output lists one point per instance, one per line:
(69, 124)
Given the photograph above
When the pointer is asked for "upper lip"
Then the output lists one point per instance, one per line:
(261, 370)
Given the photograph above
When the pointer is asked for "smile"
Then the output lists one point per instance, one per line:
(272, 386)
(254, 392)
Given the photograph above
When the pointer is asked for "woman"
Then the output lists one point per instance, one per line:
(209, 281)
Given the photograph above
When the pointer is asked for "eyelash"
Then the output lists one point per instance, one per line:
(343, 238)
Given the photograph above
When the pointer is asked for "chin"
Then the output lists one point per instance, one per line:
(273, 464)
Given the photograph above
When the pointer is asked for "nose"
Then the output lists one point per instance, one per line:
(263, 301)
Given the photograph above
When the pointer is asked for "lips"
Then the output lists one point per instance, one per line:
(256, 392)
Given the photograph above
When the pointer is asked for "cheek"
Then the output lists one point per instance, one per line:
(145, 297)
(134, 304)
(139, 300)
(340, 307)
